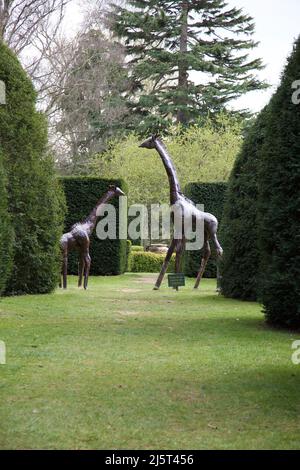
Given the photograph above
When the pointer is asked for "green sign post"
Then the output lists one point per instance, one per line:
(176, 280)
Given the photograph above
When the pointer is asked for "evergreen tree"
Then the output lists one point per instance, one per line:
(279, 202)
(239, 228)
(34, 198)
(167, 41)
(6, 232)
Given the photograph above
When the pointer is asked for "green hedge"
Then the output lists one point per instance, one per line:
(279, 203)
(6, 231)
(109, 257)
(145, 262)
(34, 197)
(212, 195)
(137, 248)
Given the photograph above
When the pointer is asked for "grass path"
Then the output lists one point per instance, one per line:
(122, 366)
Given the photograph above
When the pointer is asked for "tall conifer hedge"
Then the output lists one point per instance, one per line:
(261, 223)
(34, 197)
(6, 232)
(279, 201)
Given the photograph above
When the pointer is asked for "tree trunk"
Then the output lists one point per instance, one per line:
(182, 117)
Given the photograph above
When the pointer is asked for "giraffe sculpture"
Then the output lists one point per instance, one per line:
(186, 206)
(79, 239)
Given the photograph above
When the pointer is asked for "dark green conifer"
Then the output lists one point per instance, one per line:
(279, 201)
(168, 42)
(33, 193)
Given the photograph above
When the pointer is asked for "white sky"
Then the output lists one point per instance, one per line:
(277, 26)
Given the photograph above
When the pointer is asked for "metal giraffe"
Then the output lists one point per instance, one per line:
(185, 206)
(79, 239)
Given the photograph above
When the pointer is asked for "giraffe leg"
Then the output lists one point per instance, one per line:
(205, 258)
(217, 245)
(80, 270)
(87, 263)
(165, 265)
(65, 270)
(179, 251)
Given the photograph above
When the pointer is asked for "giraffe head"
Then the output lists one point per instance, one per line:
(149, 143)
(117, 191)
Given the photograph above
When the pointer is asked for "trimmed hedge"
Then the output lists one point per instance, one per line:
(212, 195)
(239, 233)
(34, 197)
(279, 202)
(109, 257)
(145, 262)
(261, 217)
(137, 248)
(6, 231)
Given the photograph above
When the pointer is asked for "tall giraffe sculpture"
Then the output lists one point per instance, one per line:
(186, 206)
(78, 239)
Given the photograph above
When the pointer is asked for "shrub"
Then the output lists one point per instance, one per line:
(145, 262)
(6, 231)
(137, 248)
(212, 196)
(279, 202)
(239, 231)
(33, 193)
(200, 153)
(109, 257)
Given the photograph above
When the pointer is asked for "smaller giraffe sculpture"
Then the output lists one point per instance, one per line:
(78, 239)
(186, 206)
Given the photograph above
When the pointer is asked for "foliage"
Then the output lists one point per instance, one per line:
(34, 198)
(82, 194)
(212, 196)
(168, 41)
(145, 262)
(87, 96)
(279, 202)
(6, 231)
(241, 259)
(205, 153)
(137, 248)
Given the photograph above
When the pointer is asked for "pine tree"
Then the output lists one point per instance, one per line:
(34, 199)
(239, 229)
(279, 202)
(167, 41)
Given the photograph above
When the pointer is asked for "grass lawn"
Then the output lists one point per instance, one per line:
(122, 366)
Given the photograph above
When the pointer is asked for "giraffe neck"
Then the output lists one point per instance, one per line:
(171, 172)
(91, 220)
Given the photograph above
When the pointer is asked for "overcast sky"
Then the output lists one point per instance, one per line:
(277, 26)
